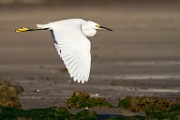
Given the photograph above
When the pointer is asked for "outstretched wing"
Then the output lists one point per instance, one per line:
(74, 48)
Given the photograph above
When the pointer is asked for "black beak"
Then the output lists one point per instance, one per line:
(106, 28)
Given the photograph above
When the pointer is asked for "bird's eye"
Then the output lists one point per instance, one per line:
(97, 26)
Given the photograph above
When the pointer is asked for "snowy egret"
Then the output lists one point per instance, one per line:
(71, 42)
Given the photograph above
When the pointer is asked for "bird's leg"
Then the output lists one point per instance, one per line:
(24, 29)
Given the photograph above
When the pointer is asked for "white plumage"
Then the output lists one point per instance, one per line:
(72, 44)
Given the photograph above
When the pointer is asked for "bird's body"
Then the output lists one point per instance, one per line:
(73, 46)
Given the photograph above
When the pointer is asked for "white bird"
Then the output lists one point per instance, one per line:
(71, 42)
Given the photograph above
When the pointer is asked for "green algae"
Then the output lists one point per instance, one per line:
(154, 107)
(172, 113)
(83, 100)
(86, 115)
(9, 95)
(124, 103)
(137, 117)
(33, 114)
(139, 104)
(7, 113)
(60, 113)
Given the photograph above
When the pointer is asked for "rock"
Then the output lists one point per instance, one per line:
(9, 95)
(83, 100)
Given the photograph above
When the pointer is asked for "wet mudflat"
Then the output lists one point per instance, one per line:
(140, 58)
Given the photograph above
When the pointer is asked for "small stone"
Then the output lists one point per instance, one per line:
(37, 90)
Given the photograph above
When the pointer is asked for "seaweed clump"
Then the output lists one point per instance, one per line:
(9, 95)
(83, 100)
(154, 107)
(7, 113)
(139, 104)
(45, 114)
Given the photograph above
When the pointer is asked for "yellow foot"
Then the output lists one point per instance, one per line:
(22, 29)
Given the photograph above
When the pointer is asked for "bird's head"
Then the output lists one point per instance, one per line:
(89, 28)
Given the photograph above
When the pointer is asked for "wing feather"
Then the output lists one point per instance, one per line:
(74, 49)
